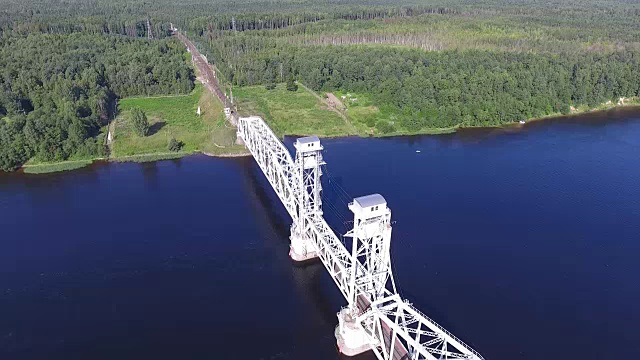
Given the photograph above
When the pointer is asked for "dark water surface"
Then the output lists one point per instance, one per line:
(524, 243)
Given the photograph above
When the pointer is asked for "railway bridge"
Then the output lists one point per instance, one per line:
(375, 318)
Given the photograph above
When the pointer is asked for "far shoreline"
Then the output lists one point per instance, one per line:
(635, 105)
(70, 165)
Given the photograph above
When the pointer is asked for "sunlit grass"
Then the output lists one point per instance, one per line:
(173, 116)
(45, 168)
(289, 112)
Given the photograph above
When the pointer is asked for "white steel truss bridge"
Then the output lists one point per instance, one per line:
(376, 317)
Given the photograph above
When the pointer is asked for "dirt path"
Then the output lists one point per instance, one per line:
(332, 99)
(332, 108)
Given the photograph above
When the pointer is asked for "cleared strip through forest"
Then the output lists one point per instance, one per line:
(209, 78)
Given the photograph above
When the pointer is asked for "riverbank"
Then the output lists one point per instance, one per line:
(304, 112)
(232, 150)
(62, 166)
(46, 168)
(630, 103)
(633, 102)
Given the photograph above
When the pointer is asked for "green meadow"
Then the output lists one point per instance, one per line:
(290, 112)
(174, 117)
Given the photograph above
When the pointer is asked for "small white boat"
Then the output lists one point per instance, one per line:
(521, 121)
(417, 151)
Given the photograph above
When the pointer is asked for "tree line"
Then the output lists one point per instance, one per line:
(444, 88)
(56, 91)
(469, 88)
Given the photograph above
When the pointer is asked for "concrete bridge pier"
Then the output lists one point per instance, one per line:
(351, 338)
(300, 250)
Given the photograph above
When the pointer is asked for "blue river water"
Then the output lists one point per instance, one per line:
(525, 243)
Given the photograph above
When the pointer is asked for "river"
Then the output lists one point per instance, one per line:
(523, 242)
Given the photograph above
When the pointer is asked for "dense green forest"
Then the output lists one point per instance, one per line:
(470, 88)
(594, 20)
(466, 64)
(58, 90)
(455, 87)
(430, 63)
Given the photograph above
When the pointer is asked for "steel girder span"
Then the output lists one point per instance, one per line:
(376, 317)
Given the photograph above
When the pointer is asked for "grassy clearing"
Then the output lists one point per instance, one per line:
(365, 115)
(301, 113)
(150, 157)
(362, 112)
(173, 116)
(45, 168)
(289, 112)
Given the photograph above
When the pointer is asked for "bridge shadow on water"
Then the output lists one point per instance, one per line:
(308, 276)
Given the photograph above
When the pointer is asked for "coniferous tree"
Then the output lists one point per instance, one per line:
(291, 83)
(175, 145)
(139, 122)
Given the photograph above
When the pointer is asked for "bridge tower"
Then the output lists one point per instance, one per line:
(307, 190)
(370, 248)
(371, 277)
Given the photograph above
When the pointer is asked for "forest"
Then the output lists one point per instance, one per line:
(442, 67)
(58, 90)
(469, 88)
(428, 63)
